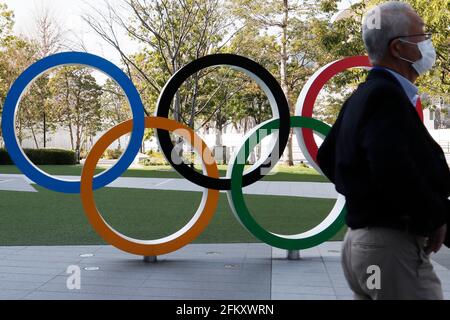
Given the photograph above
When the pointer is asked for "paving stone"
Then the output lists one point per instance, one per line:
(34, 264)
(303, 290)
(32, 278)
(290, 296)
(36, 271)
(90, 289)
(8, 294)
(42, 295)
(213, 271)
(43, 258)
(19, 285)
(206, 285)
(101, 281)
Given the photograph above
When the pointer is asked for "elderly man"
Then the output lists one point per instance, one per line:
(391, 171)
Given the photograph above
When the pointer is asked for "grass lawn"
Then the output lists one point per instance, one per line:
(50, 218)
(284, 173)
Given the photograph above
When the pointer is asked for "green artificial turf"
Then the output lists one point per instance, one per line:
(50, 218)
(282, 173)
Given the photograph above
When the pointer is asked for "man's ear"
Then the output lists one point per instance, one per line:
(395, 48)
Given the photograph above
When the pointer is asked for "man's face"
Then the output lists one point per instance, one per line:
(406, 47)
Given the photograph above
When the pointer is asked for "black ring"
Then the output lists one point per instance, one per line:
(171, 88)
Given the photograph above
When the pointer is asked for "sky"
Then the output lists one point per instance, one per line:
(69, 15)
(69, 12)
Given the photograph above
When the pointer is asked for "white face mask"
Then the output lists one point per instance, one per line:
(428, 59)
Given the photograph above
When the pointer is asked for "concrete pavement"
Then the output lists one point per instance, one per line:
(198, 271)
(18, 182)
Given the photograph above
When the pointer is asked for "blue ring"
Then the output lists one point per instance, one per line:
(12, 102)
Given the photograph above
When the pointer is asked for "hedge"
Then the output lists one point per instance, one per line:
(43, 157)
(112, 154)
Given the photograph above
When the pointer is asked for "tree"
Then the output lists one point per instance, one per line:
(6, 24)
(337, 35)
(436, 14)
(15, 57)
(48, 32)
(36, 99)
(172, 33)
(343, 38)
(77, 94)
(288, 20)
(6, 27)
(115, 107)
(48, 37)
(35, 114)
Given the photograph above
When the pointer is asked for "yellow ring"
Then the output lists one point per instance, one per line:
(165, 245)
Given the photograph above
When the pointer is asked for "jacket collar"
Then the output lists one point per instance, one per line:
(407, 87)
(380, 73)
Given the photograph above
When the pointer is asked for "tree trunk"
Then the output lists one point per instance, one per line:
(66, 77)
(78, 143)
(19, 133)
(178, 141)
(34, 137)
(194, 101)
(283, 73)
(71, 135)
(45, 129)
(219, 141)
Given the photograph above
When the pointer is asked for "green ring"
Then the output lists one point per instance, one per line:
(237, 201)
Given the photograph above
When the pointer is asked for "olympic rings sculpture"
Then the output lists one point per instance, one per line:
(277, 128)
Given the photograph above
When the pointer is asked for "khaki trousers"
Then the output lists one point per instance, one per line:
(395, 258)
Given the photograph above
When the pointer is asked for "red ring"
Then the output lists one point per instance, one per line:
(322, 77)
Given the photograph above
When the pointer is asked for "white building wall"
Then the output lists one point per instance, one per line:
(231, 139)
(60, 139)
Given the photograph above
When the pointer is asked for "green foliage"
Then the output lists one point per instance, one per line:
(343, 38)
(115, 106)
(173, 33)
(156, 159)
(4, 157)
(15, 57)
(35, 114)
(277, 33)
(149, 134)
(291, 38)
(43, 157)
(436, 15)
(6, 24)
(113, 154)
(249, 101)
(76, 96)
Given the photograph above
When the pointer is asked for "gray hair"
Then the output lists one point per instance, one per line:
(392, 19)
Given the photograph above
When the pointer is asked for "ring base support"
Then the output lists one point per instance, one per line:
(293, 255)
(150, 259)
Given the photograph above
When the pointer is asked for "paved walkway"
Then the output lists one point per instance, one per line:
(17, 182)
(207, 271)
(11, 183)
(200, 271)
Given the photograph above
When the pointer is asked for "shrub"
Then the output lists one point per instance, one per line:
(304, 165)
(83, 154)
(4, 157)
(43, 157)
(113, 154)
(156, 159)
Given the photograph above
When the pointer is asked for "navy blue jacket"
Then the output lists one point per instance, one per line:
(382, 159)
